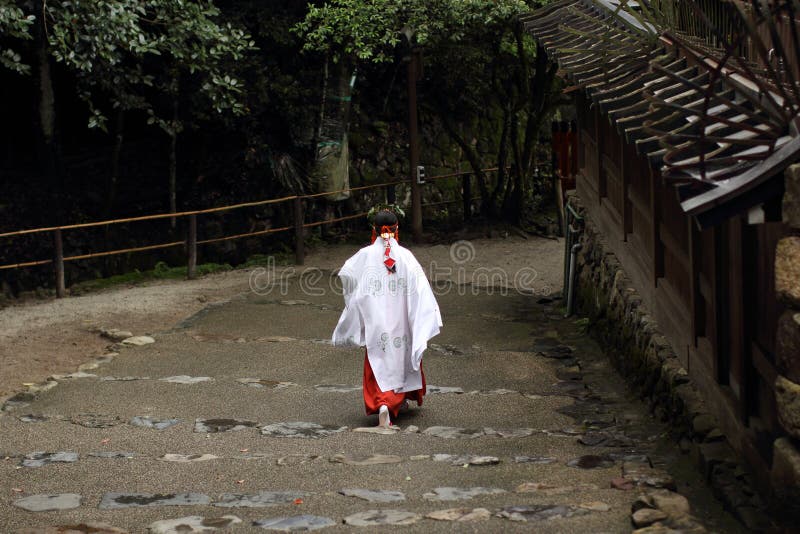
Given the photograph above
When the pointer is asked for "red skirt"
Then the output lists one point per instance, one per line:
(374, 397)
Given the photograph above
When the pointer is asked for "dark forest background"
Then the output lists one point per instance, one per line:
(117, 108)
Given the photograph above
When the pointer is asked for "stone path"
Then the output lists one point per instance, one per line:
(245, 419)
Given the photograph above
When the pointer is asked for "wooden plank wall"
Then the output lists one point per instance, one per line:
(711, 291)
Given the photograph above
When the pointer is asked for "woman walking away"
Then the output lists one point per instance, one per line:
(391, 310)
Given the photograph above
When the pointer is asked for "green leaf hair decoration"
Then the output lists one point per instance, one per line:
(394, 208)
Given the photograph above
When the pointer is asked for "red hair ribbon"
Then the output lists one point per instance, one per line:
(387, 232)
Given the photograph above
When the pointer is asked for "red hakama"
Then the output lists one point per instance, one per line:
(374, 397)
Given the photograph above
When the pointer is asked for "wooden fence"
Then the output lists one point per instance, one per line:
(299, 225)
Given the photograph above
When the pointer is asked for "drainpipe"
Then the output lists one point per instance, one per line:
(571, 249)
(573, 253)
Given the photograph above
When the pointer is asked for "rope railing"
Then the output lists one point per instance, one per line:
(157, 216)
(191, 242)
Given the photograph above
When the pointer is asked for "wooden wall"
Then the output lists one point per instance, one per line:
(711, 291)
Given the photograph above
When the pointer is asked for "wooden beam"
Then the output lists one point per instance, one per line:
(624, 169)
(655, 210)
(735, 187)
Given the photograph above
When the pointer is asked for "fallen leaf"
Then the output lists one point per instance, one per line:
(243, 450)
(104, 441)
(240, 481)
(17, 490)
(298, 501)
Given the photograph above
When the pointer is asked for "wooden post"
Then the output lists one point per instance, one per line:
(562, 214)
(625, 178)
(299, 243)
(413, 146)
(58, 262)
(191, 268)
(466, 187)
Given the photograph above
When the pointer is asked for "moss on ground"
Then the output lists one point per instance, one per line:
(161, 271)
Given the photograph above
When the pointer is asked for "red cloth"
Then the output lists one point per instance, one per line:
(374, 397)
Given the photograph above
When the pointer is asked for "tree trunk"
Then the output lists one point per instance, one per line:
(515, 194)
(113, 177)
(173, 161)
(475, 162)
(541, 88)
(502, 157)
(48, 136)
(111, 189)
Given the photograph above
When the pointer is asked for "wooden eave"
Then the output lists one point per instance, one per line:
(661, 103)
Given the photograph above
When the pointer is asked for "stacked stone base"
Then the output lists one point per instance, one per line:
(621, 322)
(786, 452)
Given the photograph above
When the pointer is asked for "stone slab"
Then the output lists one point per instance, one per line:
(297, 459)
(509, 432)
(185, 379)
(592, 461)
(96, 420)
(535, 460)
(466, 459)
(435, 390)
(300, 429)
(213, 426)
(112, 454)
(373, 518)
(451, 432)
(455, 494)
(551, 489)
(85, 527)
(117, 501)
(49, 502)
(258, 500)
(187, 458)
(462, 515)
(192, 523)
(39, 459)
(540, 512)
(298, 523)
(138, 341)
(147, 421)
(265, 383)
(380, 430)
(366, 459)
(373, 495)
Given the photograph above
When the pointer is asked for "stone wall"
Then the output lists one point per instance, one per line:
(786, 459)
(620, 320)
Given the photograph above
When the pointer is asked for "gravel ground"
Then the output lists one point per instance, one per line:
(40, 338)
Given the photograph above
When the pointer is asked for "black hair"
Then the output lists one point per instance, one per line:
(385, 218)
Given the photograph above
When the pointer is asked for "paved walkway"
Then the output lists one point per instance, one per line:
(244, 417)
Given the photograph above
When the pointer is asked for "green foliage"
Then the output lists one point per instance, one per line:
(371, 29)
(14, 23)
(483, 85)
(112, 45)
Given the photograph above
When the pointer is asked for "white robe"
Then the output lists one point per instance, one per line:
(393, 314)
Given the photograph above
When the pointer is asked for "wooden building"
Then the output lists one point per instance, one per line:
(685, 134)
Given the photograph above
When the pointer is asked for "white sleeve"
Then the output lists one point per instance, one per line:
(423, 311)
(349, 331)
